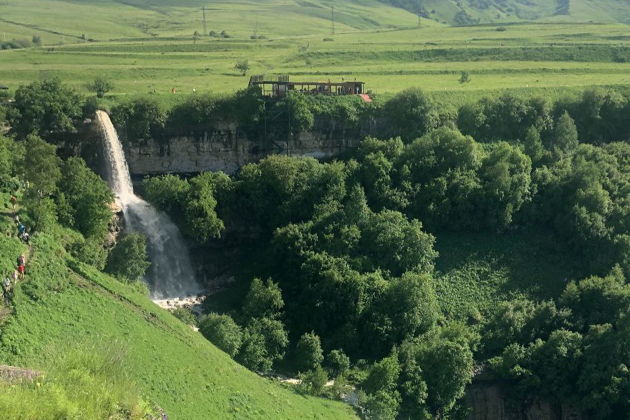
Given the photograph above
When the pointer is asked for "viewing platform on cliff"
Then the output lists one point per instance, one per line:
(281, 86)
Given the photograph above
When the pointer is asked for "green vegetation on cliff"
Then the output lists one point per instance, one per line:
(104, 349)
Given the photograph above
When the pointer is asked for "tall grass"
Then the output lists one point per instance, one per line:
(85, 383)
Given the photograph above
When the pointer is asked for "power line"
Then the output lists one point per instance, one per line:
(332, 18)
(205, 25)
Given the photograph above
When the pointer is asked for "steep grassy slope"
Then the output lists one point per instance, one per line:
(64, 304)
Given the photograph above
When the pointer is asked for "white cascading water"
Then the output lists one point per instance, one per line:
(171, 274)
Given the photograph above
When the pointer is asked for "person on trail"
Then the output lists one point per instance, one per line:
(13, 201)
(21, 270)
(15, 276)
(6, 287)
(26, 237)
(21, 229)
(21, 260)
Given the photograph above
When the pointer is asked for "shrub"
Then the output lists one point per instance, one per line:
(223, 332)
(186, 315)
(314, 381)
(308, 352)
(100, 86)
(128, 261)
(337, 363)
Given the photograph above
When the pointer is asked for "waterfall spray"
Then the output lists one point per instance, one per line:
(171, 274)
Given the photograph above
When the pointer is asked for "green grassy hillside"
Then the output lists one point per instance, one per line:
(546, 58)
(59, 20)
(468, 12)
(66, 305)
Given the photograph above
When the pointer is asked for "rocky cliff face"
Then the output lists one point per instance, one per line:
(225, 150)
(487, 401)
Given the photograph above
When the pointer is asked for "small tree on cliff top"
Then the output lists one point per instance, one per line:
(100, 86)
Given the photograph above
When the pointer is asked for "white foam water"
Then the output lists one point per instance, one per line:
(171, 274)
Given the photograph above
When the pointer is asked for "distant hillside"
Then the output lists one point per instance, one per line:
(467, 12)
(69, 20)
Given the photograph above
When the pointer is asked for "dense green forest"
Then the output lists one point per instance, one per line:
(342, 280)
(80, 320)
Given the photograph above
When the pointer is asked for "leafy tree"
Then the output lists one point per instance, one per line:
(41, 213)
(128, 260)
(377, 171)
(521, 321)
(565, 135)
(506, 180)
(383, 375)
(264, 343)
(140, 119)
(407, 307)
(397, 244)
(201, 219)
(40, 166)
(264, 300)
(464, 78)
(45, 108)
(83, 199)
(337, 363)
(439, 172)
(90, 251)
(597, 300)
(223, 332)
(279, 190)
(533, 145)
(314, 381)
(383, 398)
(253, 353)
(242, 67)
(410, 114)
(169, 193)
(308, 352)
(411, 303)
(100, 86)
(382, 405)
(507, 117)
(6, 161)
(447, 367)
(600, 115)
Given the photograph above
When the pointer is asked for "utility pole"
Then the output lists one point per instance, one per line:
(205, 25)
(419, 10)
(332, 18)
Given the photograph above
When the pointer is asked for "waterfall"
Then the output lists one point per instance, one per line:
(171, 274)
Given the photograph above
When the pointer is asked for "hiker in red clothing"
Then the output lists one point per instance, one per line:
(21, 270)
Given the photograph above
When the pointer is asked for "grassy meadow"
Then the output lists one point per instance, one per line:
(149, 48)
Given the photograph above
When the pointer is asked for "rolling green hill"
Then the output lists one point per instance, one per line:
(59, 20)
(65, 305)
(469, 12)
